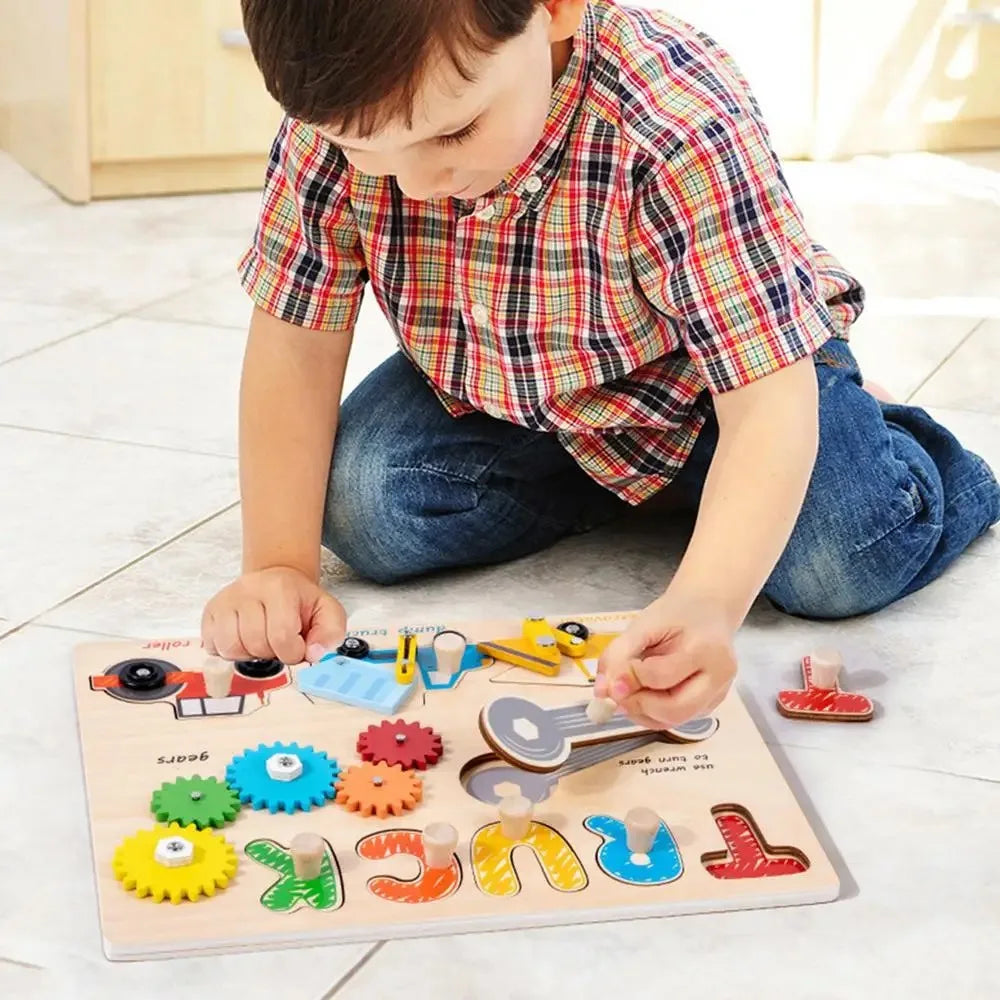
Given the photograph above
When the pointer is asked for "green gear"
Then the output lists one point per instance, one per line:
(201, 801)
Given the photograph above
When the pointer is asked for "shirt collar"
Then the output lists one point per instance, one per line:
(532, 181)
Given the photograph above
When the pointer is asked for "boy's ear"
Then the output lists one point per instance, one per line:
(566, 16)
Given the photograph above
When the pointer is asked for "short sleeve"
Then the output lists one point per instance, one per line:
(305, 264)
(718, 246)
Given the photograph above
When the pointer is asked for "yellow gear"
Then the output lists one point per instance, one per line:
(212, 866)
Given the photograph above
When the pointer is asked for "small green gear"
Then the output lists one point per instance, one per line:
(201, 801)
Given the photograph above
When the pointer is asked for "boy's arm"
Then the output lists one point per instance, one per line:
(289, 401)
(676, 659)
(768, 439)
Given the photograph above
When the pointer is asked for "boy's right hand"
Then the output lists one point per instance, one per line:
(273, 613)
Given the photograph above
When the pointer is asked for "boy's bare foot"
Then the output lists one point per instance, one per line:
(879, 392)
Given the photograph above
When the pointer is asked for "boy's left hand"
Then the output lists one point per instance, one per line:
(674, 663)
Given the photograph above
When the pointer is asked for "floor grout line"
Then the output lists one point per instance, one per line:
(107, 440)
(353, 971)
(34, 619)
(59, 340)
(945, 360)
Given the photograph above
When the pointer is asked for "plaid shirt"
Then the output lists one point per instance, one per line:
(649, 249)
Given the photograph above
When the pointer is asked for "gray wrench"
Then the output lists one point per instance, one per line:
(542, 739)
(482, 783)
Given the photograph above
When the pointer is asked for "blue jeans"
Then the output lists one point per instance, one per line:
(894, 499)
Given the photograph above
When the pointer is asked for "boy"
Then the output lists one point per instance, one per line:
(601, 288)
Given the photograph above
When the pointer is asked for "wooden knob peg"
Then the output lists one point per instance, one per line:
(515, 816)
(440, 841)
(826, 665)
(308, 851)
(600, 710)
(449, 648)
(641, 827)
(218, 675)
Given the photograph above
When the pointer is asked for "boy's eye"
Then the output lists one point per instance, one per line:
(461, 136)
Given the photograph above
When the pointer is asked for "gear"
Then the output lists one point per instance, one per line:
(212, 865)
(378, 789)
(405, 743)
(201, 801)
(248, 777)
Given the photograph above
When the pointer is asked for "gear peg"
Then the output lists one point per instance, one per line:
(174, 852)
(284, 767)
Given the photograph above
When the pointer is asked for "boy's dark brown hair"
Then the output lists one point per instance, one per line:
(355, 65)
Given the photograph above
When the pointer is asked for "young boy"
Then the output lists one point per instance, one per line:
(602, 288)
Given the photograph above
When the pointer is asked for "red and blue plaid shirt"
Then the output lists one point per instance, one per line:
(647, 251)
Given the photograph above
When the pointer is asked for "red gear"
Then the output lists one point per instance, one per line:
(405, 743)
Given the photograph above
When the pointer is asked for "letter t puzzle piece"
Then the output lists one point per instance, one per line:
(826, 703)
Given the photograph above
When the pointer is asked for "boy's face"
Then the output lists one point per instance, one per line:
(466, 137)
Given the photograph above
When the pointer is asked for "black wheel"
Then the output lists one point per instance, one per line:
(259, 669)
(354, 647)
(142, 675)
(142, 680)
(575, 628)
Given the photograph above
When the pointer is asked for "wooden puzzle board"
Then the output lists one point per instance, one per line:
(129, 749)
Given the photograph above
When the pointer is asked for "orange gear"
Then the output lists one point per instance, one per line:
(379, 789)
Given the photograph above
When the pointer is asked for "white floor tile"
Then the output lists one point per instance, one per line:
(25, 327)
(118, 255)
(19, 190)
(968, 380)
(912, 227)
(901, 352)
(76, 509)
(910, 892)
(219, 302)
(53, 924)
(164, 594)
(168, 384)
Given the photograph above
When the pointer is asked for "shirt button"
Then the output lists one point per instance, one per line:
(533, 184)
(487, 214)
(480, 314)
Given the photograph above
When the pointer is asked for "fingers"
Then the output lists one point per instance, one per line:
(284, 627)
(662, 673)
(326, 626)
(252, 620)
(692, 698)
(208, 631)
(227, 640)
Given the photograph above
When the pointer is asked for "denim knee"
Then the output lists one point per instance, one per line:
(834, 570)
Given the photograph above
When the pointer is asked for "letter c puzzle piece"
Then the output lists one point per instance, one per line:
(663, 864)
(429, 885)
(493, 860)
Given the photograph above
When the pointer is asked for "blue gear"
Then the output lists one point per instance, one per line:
(247, 776)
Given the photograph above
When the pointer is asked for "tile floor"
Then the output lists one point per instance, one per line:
(121, 327)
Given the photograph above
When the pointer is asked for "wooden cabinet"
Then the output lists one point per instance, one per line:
(896, 75)
(148, 97)
(117, 97)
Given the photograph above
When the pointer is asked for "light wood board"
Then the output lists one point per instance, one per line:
(129, 749)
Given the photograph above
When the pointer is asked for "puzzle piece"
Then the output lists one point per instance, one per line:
(661, 865)
(355, 682)
(535, 649)
(831, 704)
(748, 854)
(323, 893)
(429, 885)
(493, 860)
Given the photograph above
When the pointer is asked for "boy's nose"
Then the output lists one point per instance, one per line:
(422, 185)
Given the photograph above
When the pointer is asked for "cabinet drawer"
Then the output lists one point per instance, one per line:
(171, 80)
